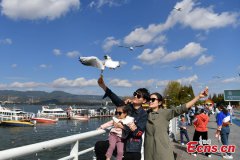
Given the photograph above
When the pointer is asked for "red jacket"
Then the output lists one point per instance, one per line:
(201, 122)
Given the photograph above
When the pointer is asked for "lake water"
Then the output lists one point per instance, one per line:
(11, 137)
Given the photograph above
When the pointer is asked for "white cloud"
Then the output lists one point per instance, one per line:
(162, 83)
(37, 9)
(190, 50)
(192, 16)
(100, 3)
(25, 85)
(135, 67)
(143, 36)
(57, 52)
(44, 66)
(184, 68)
(161, 39)
(188, 80)
(109, 42)
(78, 82)
(160, 55)
(14, 65)
(58, 83)
(184, 80)
(145, 83)
(204, 60)
(3, 86)
(72, 54)
(201, 36)
(6, 41)
(123, 63)
(204, 18)
(150, 57)
(238, 68)
(231, 80)
(120, 83)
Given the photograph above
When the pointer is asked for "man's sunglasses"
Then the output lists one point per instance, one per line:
(137, 94)
(152, 99)
(118, 113)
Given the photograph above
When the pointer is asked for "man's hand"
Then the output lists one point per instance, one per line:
(101, 83)
(132, 127)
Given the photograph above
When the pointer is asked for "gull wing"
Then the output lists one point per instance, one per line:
(111, 64)
(124, 46)
(92, 61)
(139, 45)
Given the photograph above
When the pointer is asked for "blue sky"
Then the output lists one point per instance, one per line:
(41, 40)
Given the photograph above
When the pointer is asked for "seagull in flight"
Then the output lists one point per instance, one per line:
(178, 67)
(100, 64)
(131, 48)
(178, 9)
(217, 77)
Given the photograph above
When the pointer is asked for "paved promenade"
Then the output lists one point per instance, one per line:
(234, 138)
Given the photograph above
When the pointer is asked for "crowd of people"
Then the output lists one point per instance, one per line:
(199, 117)
(133, 124)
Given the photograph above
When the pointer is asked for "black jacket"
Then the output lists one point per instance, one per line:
(133, 139)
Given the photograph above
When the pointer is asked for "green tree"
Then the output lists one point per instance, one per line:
(171, 93)
(185, 94)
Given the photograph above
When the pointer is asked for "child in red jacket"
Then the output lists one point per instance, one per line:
(200, 123)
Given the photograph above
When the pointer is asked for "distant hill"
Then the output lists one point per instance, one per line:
(55, 97)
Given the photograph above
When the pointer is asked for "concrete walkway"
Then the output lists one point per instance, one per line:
(234, 139)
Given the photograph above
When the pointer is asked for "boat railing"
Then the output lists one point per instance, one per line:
(74, 140)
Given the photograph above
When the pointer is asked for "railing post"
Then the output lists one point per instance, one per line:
(74, 151)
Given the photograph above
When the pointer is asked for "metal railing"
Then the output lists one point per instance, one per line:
(46, 145)
(73, 140)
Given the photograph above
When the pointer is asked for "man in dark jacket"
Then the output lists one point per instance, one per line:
(134, 132)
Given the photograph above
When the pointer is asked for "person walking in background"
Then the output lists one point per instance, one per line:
(191, 114)
(223, 129)
(183, 129)
(230, 111)
(115, 135)
(200, 123)
(156, 143)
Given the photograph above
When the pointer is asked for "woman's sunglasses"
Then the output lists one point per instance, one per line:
(208, 104)
(137, 94)
(152, 99)
(118, 113)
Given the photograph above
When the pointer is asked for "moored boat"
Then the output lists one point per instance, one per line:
(45, 119)
(79, 117)
(78, 114)
(17, 123)
(57, 112)
(15, 117)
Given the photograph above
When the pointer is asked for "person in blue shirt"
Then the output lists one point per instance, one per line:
(223, 129)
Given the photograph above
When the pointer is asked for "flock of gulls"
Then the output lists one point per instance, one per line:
(107, 62)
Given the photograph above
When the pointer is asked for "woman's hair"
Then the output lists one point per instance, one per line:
(159, 97)
(224, 109)
(145, 93)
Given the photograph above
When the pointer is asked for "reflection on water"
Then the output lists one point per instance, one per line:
(11, 137)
